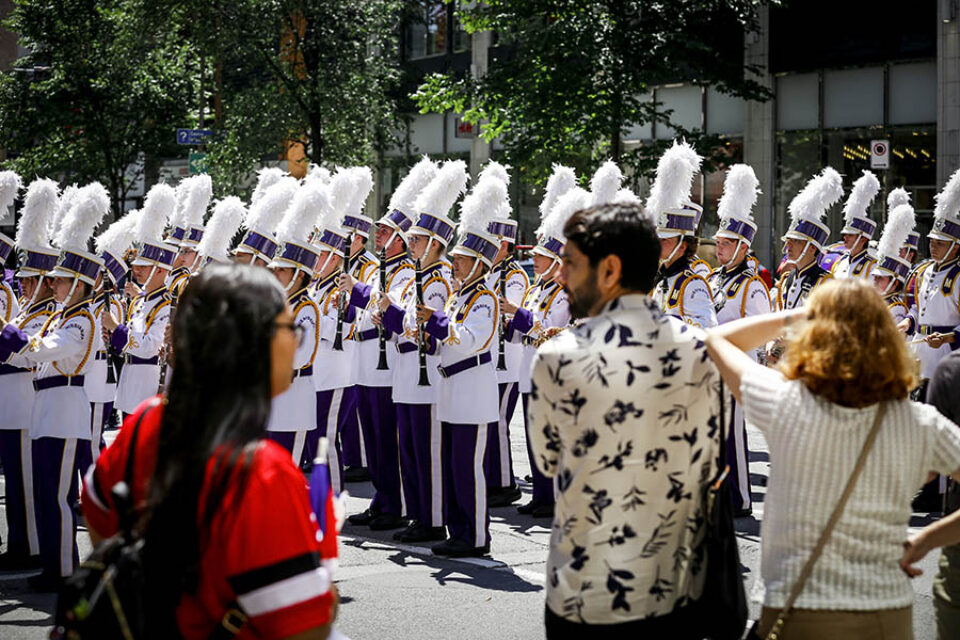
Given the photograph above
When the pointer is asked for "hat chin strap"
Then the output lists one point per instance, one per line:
(806, 246)
(73, 287)
(953, 243)
(153, 270)
(33, 298)
(673, 253)
(193, 265)
(473, 269)
(293, 279)
(735, 252)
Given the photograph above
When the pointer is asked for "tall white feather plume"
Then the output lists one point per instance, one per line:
(159, 204)
(439, 196)
(89, 207)
(198, 198)
(266, 177)
(119, 236)
(740, 191)
(496, 170)
(224, 223)
(405, 196)
(362, 186)
(479, 206)
(560, 181)
(341, 189)
(605, 184)
(267, 211)
(899, 225)
(568, 204)
(316, 172)
(181, 192)
(864, 190)
(674, 180)
(626, 196)
(63, 206)
(897, 197)
(39, 206)
(308, 208)
(10, 185)
(822, 191)
(948, 200)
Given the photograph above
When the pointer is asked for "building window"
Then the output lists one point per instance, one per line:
(428, 30)
(461, 39)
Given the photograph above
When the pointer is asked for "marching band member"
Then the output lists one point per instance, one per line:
(467, 402)
(891, 269)
(60, 418)
(416, 379)
(858, 230)
(294, 412)
(910, 250)
(545, 310)
(140, 338)
(680, 292)
(378, 416)
(198, 190)
(738, 292)
(269, 201)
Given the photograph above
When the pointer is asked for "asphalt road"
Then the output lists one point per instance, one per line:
(395, 591)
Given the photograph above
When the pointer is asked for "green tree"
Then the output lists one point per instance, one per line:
(570, 78)
(101, 84)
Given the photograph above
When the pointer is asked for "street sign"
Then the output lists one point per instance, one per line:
(198, 163)
(879, 154)
(464, 129)
(193, 136)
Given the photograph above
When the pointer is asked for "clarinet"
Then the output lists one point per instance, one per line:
(342, 310)
(164, 360)
(382, 365)
(421, 338)
(107, 306)
(501, 355)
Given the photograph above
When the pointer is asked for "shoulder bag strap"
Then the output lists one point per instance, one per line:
(775, 632)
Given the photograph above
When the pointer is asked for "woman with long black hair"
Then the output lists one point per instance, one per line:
(226, 516)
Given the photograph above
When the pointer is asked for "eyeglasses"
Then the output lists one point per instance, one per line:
(298, 330)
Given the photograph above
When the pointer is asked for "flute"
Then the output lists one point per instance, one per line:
(421, 338)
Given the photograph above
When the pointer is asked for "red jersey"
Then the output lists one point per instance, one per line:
(266, 554)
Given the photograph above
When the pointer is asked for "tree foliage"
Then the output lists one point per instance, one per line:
(570, 78)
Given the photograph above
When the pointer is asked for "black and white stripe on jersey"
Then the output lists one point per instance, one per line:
(280, 585)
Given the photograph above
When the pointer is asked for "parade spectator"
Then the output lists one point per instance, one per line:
(843, 358)
(226, 515)
(621, 410)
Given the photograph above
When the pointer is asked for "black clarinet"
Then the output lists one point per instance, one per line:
(421, 338)
(164, 360)
(501, 355)
(107, 306)
(342, 309)
(382, 365)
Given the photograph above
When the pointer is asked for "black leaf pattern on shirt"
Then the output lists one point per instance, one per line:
(676, 488)
(574, 403)
(596, 368)
(633, 499)
(568, 525)
(695, 521)
(616, 461)
(713, 425)
(618, 588)
(534, 391)
(554, 579)
(610, 334)
(654, 457)
(600, 501)
(626, 338)
(618, 536)
(633, 370)
(689, 438)
(588, 438)
(659, 536)
(661, 587)
(677, 414)
(580, 557)
(619, 412)
(556, 374)
(564, 480)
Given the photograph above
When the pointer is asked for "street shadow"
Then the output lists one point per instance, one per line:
(489, 578)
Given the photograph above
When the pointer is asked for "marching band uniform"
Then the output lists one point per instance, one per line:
(890, 264)
(682, 293)
(738, 292)
(937, 305)
(793, 289)
(857, 222)
(701, 267)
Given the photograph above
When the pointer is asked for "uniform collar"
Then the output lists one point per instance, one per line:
(40, 304)
(325, 282)
(395, 260)
(947, 265)
(80, 306)
(297, 295)
(436, 266)
(857, 256)
(179, 272)
(472, 287)
(159, 293)
(679, 266)
(740, 268)
(810, 268)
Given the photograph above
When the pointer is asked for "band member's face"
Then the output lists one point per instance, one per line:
(185, 258)
(667, 245)
(284, 275)
(850, 240)
(939, 249)
(417, 245)
(880, 283)
(331, 265)
(462, 265)
(384, 233)
(358, 242)
(729, 250)
(579, 280)
(141, 273)
(61, 288)
(283, 346)
(794, 248)
(907, 253)
(541, 264)
(243, 258)
(28, 286)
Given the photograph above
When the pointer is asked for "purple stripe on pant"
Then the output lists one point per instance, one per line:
(542, 485)
(329, 408)
(738, 456)
(351, 440)
(56, 490)
(292, 441)
(420, 462)
(378, 420)
(16, 457)
(498, 461)
(465, 488)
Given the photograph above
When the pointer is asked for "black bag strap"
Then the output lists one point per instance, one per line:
(128, 469)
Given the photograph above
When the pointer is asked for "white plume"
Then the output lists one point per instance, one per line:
(181, 192)
(626, 196)
(948, 200)
(897, 197)
(39, 206)
(310, 205)
(266, 177)
(199, 192)
(347, 192)
(89, 207)
(10, 185)
(864, 190)
(822, 191)
(362, 186)
(63, 206)
(479, 206)
(449, 183)
(268, 209)
(496, 170)
(898, 227)
(674, 179)
(224, 223)
(119, 236)
(560, 181)
(568, 204)
(405, 196)
(316, 172)
(605, 184)
(160, 202)
(740, 191)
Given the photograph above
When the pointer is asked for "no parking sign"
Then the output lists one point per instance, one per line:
(879, 154)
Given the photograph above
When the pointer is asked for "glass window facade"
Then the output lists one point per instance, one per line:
(428, 31)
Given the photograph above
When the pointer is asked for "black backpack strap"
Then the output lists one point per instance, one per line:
(122, 492)
(230, 624)
(128, 470)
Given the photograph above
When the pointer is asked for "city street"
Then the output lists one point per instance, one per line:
(390, 590)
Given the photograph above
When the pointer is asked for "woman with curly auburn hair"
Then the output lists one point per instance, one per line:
(845, 361)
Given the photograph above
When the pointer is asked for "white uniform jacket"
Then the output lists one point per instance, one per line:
(516, 285)
(467, 332)
(363, 268)
(62, 352)
(139, 340)
(333, 368)
(683, 294)
(793, 288)
(896, 305)
(545, 307)
(16, 382)
(849, 266)
(296, 408)
(739, 293)
(937, 310)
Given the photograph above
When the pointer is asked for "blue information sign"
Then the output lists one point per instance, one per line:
(193, 136)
